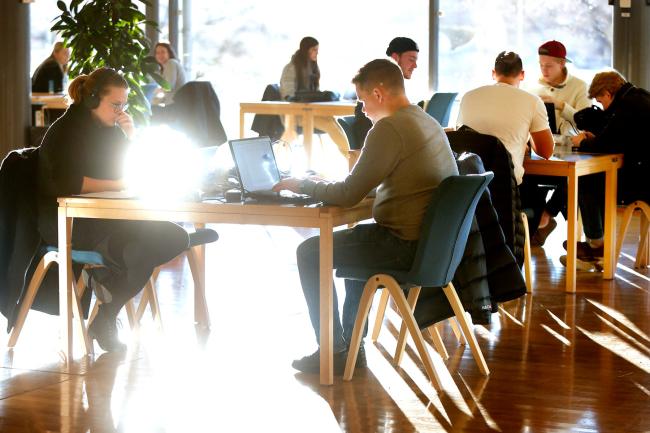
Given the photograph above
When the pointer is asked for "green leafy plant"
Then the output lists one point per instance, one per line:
(103, 33)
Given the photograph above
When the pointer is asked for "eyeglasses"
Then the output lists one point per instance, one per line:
(117, 108)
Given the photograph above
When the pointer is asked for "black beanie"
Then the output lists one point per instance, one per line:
(400, 45)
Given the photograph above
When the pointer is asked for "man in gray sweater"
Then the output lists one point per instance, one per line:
(406, 155)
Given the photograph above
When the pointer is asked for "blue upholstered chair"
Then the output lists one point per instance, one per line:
(445, 229)
(439, 107)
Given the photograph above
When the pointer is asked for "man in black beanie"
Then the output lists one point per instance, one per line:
(404, 51)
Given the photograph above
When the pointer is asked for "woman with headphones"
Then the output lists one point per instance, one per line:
(83, 152)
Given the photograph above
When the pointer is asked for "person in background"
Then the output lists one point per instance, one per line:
(569, 95)
(627, 110)
(51, 74)
(509, 113)
(83, 152)
(406, 156)
(303, 73)
(172, 72)
(405, 53)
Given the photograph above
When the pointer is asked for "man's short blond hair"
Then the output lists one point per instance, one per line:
(610, 81)
(380, 72)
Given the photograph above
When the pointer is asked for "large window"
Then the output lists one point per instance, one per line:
(473, 32)
(242, 45)
(41, 16)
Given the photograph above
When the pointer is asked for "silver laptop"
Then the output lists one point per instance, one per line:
(258, 172)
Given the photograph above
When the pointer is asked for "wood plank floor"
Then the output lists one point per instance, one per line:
(559, 362)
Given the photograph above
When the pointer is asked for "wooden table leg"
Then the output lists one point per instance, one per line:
(201, 312)
(610, 225)
(308, 134)
(572, 235)
(326, 302)
(65, 282)
(241, 123)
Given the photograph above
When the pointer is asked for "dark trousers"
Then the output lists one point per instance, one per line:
(367, 246)
(131, 251)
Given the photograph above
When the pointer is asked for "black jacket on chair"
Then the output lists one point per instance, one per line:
(267, 124)
(503, 188)
(197, 112)
(488, 273)
(20, 240)
(48, 71)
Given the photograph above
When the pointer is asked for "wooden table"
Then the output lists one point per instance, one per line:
(308, 110)
(48, 101)
(324, 218)
(573, 165)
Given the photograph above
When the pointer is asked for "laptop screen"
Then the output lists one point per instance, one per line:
(255, 163)
(550, 111)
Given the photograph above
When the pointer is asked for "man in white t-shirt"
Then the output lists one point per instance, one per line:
(508, 113)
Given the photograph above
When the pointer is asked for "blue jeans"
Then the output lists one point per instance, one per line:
(366, 245)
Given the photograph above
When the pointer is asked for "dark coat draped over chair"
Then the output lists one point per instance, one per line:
(196, 111)
(503, 188)
(267, 124)
(488, 273)
(20, 241)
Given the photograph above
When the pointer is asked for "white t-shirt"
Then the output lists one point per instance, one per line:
(505, 112)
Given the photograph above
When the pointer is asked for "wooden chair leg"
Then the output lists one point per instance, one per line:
(412, 299)
(456, 305)
(457, 332)
(407, 316)
(34, 284)
(130, 314)
(625, 223)
(77, 314)
(364, 308)
(381, 311)
(527, 266)
(643, 252)
(437, 341)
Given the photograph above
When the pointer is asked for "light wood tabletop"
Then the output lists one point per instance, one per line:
(325, 218)
(573, 165)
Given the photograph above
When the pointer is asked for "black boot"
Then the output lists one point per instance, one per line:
(104, 330)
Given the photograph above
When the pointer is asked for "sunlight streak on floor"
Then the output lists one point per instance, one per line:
(619, 347)
(621, 318)
(486, 416)
(632, 284)
(558, 320)
(510, 316)
(624, 334)
(564, 340)
(633, 272)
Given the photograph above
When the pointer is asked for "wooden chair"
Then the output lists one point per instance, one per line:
(50, 256)
(445, 229)
(643, 250)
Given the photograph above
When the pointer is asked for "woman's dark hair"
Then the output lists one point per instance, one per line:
(95, 85)
(170, 50)
(305, 67)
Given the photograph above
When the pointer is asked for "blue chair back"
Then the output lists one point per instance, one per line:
(439, 107)
(445, 229)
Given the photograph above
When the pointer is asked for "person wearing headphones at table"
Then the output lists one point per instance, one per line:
(405, 53)
(303, 73)
(569, 95)
(83, 152)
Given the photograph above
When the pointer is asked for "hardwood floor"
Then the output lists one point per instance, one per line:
(559, 362)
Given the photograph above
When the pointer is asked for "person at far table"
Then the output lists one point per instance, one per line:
(627, 110)
(303, 73)
(405, 53)
(569, 95)
(50, 75)
(406, 156)
(171, 70)
(513, 115)
(83, 152)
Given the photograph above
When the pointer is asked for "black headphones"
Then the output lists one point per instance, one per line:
(92, 100)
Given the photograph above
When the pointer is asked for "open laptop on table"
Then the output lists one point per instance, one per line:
(258, 172)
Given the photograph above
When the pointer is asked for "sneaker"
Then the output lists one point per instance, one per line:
(584, 265)
(91, 282)
(587, 252)
(104, 330)
(311, 363)
(542, 233)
